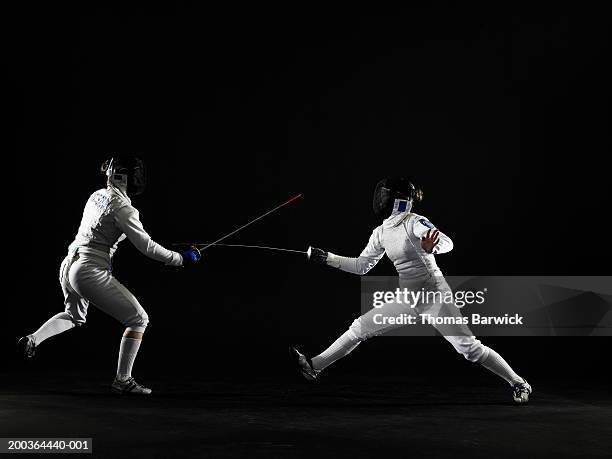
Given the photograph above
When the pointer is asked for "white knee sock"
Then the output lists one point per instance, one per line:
(127, 354)
(339, 348)
(54, 326)
(495, 363)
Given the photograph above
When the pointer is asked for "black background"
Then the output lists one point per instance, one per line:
(500, 115)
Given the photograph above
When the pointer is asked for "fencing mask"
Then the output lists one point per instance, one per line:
(126, 172)
(389, 190)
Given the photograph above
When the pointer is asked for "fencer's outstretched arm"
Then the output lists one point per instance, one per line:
(420, 228)
(127, 220)
(370, 256)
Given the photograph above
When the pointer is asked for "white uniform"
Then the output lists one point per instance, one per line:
(399, 237)
(86, 272)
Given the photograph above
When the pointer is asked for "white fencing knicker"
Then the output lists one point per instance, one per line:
(463, 341)
(85, 277)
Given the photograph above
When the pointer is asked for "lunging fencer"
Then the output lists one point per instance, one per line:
(411, 242)
(86, 272)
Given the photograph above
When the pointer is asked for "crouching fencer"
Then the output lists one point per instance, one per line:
(411, 242)
(86, 272)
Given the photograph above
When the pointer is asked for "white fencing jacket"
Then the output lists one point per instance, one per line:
(399, 237)
(108, 219)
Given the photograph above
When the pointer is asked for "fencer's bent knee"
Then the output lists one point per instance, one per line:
(75, 316)
(470, 347)
(78, 322)
(475, 351)
(138, 322)
(358, 331)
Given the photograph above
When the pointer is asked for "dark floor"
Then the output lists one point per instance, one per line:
(340, 416)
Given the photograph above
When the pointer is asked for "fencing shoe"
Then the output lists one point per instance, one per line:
(26, 346)
(304, 364)
(521, 392)
(130, 387)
